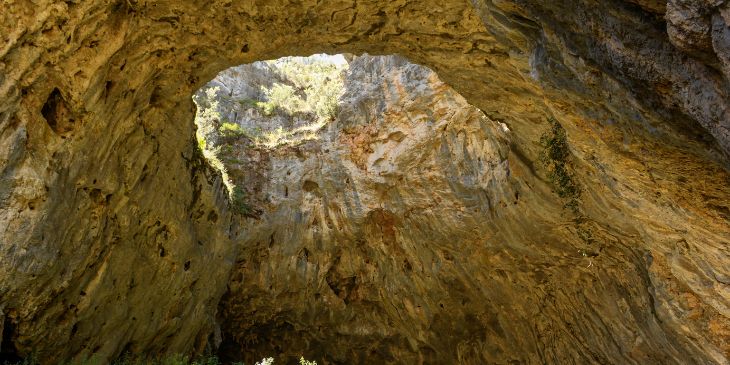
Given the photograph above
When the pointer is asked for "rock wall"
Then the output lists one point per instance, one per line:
(116, 236)
(359, 252)
(405, 212)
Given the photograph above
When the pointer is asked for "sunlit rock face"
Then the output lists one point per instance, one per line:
(403, 212)
(365, 234)
(116, 236)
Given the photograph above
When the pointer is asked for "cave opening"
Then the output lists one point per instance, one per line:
(342, 165)
(264, 106)
(251, 111)
(405, 233)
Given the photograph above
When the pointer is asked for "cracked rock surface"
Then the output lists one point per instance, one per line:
(116, 236)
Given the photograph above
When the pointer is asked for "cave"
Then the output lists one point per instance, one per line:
(342, 168)
(576, 209)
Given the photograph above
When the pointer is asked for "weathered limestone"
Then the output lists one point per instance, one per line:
(117, 237)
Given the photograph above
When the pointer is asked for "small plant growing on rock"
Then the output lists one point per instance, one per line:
(270, 361)
(303, 361)
(230, 130)
(201, 143)
(555, 157)
(238, 201)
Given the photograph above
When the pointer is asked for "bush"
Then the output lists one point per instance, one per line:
(302, 361)
(311, 87)
(230, 130)
(283, 97)
(201, 143)
(207, 115)
(555, 158)
(238, 201)
(248, 103)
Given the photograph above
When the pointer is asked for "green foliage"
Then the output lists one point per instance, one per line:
(207, 115)
(555, 158)
(201, 143)
(176, 359)
(305, 88)
(308, 87)
(270, 361)
(284, 97)
(230, 130)
(312, 87)
(239, 202)
(267, 108)
(326, 105)
(249, 103)
(226, 149)
(302, 361)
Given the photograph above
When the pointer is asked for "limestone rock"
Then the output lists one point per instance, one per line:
(360, 244)
(115, 235)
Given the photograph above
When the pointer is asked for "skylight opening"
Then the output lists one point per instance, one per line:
(267, 105)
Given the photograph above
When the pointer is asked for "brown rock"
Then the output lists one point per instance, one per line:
(116, 236)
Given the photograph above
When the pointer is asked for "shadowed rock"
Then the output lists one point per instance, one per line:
(100, 217)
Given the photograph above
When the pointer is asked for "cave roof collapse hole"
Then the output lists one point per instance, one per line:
(249, 112)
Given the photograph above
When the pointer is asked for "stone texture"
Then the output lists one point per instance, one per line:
(356, 240)
(104, 200)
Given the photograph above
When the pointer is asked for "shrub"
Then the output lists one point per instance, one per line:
(555, 157)
(201, 143)
(230, 130)
(238, 201)
(302, 361)
(267, 108)
(312, 87)
(207, 115)
(283, 97)
(248, 103)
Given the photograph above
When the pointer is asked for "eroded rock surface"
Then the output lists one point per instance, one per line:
(359, 251)
(117, 237)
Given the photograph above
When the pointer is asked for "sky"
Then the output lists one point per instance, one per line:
(337, 59)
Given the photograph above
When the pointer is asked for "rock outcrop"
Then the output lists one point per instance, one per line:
(116, 235)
